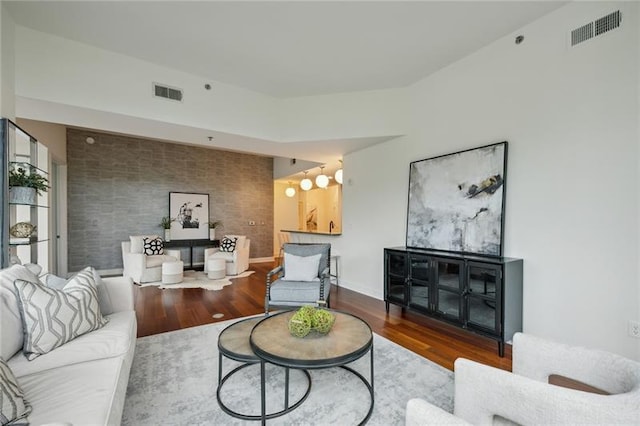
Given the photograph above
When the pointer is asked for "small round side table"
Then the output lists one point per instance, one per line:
(233, 343)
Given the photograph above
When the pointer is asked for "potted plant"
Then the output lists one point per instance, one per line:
(165, 223)
(23, 186)
(213, 224)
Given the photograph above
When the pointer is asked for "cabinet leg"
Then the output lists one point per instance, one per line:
(501, 348)
(386, 306)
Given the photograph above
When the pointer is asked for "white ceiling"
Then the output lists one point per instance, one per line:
(287, 49)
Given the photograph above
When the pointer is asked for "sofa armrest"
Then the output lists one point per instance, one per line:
(420, 412)
(120, 291)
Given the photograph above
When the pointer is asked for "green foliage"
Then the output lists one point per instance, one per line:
(20, 177)
(309, 318)
(165, 222)
(213, 224)
(323, 321)
(299, 324)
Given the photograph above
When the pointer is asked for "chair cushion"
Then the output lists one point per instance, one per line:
(137, 242)
(228, 257)
(295, 291)
(158, 259)
(13, 405)
(153, 246)
(300, 268)
(52, 318)
(308, 250)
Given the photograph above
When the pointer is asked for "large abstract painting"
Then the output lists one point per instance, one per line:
(456, 201)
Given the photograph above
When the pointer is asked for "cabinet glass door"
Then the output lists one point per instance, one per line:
(484, 292)
(395, 276)
(420, 282)
(449, 282)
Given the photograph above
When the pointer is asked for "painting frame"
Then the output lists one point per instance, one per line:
(456, 201)
(190, 214)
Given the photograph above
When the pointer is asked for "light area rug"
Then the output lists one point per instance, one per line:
(174, 378)
(198, 279)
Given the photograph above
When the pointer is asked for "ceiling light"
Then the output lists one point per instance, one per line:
(322, 180)
(338, 176)
(306, 183)
(290, 191)
(90, 140)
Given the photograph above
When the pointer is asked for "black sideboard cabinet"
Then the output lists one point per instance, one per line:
(482, 294)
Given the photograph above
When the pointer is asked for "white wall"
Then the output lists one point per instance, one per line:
(285, 212)
(345, 115)
(53, 136)
(7, 61)
(571, 119)
(62, 71)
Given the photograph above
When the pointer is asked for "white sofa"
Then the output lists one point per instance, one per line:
(487, 395)
(84, 381)
(237, 261)
(140, 267)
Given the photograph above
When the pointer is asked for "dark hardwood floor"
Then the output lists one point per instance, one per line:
(159, 311)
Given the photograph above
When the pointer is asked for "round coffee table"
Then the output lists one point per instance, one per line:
(349, 340)
(233, 343)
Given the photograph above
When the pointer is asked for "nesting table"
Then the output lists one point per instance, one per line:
(267, 340)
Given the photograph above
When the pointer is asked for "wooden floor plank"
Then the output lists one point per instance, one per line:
(165, 310)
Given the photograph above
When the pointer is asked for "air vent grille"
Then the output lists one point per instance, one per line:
(608, 23)
(581, 34)
(164, 91)
(596, 28)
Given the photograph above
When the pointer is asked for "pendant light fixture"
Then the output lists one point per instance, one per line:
(290, 191)
(306, 184)
(338, 175)
(322, 180)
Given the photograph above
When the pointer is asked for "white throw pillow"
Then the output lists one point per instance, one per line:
(301, 268)
(11, 333)
(137, 242)
(52, 317)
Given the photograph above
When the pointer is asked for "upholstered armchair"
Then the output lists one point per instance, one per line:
(302, 279)
(486, 395)
(142, 267)
(236, 256)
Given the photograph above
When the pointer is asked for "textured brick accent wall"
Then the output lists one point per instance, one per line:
(120, 186)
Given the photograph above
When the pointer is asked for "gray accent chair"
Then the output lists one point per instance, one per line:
(298, 293)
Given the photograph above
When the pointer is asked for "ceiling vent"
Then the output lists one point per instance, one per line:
(596, 28)
(164, 91)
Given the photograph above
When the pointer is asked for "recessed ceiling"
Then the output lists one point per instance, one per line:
(288, 49)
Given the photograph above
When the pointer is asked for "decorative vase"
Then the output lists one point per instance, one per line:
(212, 234)
(167, 234)
(22, 195)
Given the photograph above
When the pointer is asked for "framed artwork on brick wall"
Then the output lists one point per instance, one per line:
(191, 213)
(456, 201)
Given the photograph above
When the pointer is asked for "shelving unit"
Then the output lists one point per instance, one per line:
(22, 151)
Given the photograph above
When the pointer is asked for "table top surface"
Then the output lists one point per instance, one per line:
(349, 339)
(234, 340)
